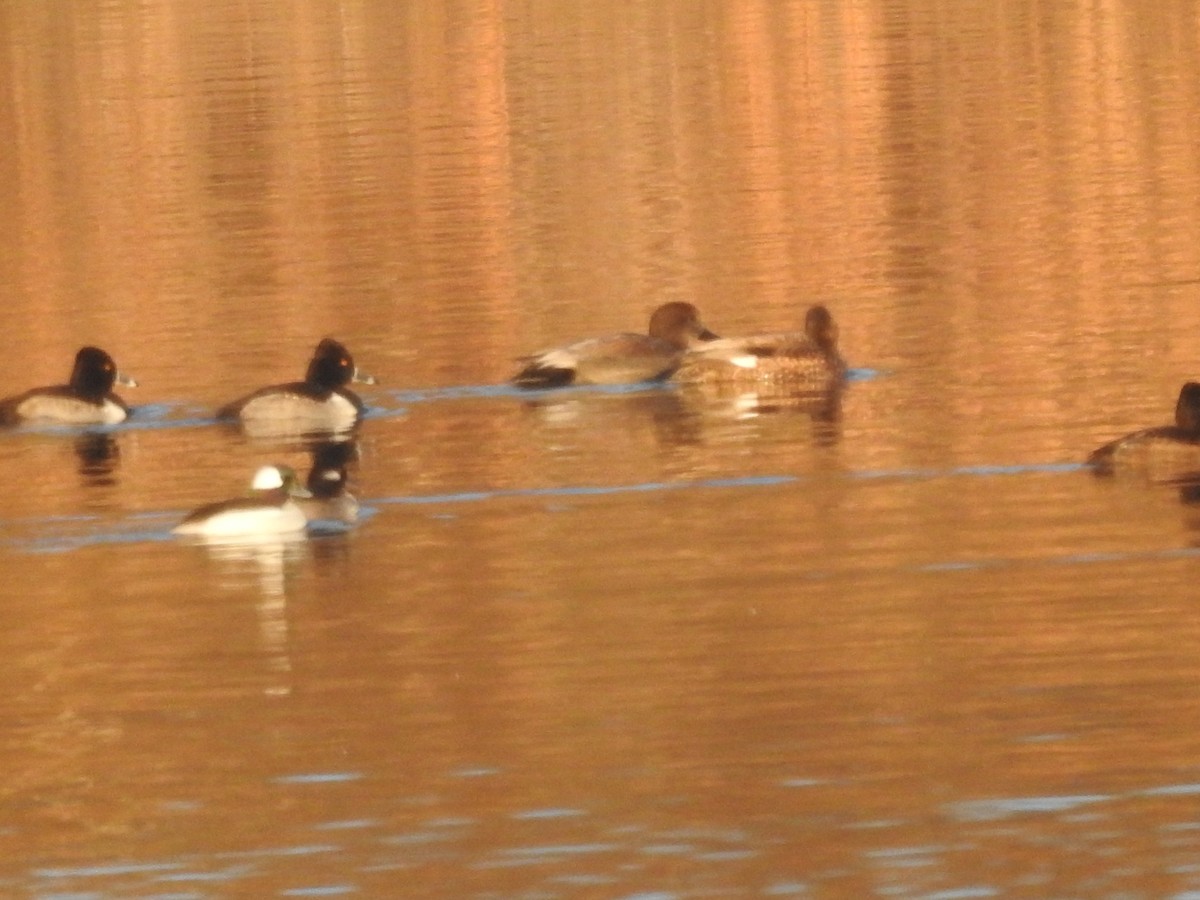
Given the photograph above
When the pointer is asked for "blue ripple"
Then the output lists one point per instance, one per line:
(551, 813)
(590, 490)
(1172, 790)
(1003, 807)
(552, 850)
(106, 870)
(318, 778)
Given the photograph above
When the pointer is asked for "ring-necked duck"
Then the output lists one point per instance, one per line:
(320, 402)
(809, 356)
(326, 482)
(87, 399)
(619, 358)
(1164, 452)
(270, 509)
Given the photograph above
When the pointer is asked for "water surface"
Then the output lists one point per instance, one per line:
(655, 643)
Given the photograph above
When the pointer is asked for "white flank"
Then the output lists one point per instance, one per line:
(337, 410)
(70, 411)
(278, 520)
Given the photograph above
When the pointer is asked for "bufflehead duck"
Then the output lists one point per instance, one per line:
(270, 509)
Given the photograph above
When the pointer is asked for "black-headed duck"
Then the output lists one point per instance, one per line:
(1165, 452)
(321, 402)
(87, 399)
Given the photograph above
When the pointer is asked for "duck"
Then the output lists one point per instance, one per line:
(86, 399)
(270, 509)
(810, 356)
(329, 500)
(321, 402)
(1165, 452)
(624, 358)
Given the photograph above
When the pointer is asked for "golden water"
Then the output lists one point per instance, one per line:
(605, 644)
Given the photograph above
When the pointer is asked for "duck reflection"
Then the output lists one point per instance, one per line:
(98, 456)
(263, 562)
(621, 412)
(330, 503)
(1189, 496)
(730, 401)
(681, 414)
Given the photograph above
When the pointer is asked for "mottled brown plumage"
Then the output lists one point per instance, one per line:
(810, 356)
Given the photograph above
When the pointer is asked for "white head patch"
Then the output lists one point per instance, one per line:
(268, 478)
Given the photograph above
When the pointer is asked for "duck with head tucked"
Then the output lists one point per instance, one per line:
(1165, 452)
(268, 510)
(87, 399)
(808, 358)
(321, 402)
(624, 358)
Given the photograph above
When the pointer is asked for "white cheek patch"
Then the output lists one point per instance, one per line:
(268, 478)
(745, 361)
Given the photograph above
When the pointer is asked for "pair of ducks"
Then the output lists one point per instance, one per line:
(680, 346)
(278, 505)
(321, 402)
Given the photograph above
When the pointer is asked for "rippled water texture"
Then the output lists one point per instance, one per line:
(655, 642)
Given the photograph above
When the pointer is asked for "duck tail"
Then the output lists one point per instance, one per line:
(539, 375)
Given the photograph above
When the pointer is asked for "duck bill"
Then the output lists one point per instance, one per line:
(363, 377)
(706, 335)
(124, 380)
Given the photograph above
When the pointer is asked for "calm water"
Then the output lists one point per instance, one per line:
(651, 644)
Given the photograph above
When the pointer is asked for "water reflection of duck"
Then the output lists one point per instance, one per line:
(98, 455)
(321, 402)
(270, 509)
(1164, 453)
(624, 358)
(87, 399)
(330, 501)
(808, 357)
(746, 404)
